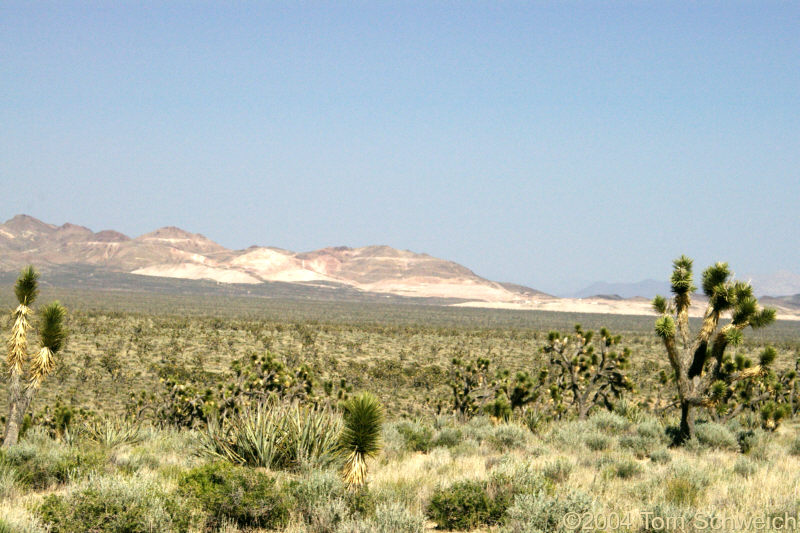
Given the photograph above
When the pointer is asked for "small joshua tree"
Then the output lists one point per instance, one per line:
(703, 371)
(361, 437)
(585, 375)
(51, 338)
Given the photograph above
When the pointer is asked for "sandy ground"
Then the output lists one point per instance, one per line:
(599, 305)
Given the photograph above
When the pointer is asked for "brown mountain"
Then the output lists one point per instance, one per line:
(174, 253)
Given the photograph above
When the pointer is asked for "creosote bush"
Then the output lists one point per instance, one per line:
(246, 497)
(113, 504)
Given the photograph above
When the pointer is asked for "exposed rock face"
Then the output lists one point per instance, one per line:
(173, 252)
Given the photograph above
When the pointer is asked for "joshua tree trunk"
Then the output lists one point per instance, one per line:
(687, 423)
(14, 396)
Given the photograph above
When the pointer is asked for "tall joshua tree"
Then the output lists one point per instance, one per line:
(700, 362)
(587, 376)
(51, 339)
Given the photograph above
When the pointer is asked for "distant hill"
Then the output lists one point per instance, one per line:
(175, 261)
(172, 252)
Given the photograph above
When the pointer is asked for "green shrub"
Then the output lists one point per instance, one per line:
(41, 462)
(244, 496)
(310, 491)
(508, 437)
(626, 469)
(661, 456)
(640, 446)
(685, 486)
(610, 423)
(597, 442)
(447, 437)
(417, 437)
(539, 512)
(557, 471)
(465, 505)
(717, 436)
(114, 504)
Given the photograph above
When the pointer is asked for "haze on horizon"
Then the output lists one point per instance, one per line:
(545, 144)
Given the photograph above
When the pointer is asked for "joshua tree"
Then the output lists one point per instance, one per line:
(361, 437)
(51, 339)
(700, 364)
(590, 377)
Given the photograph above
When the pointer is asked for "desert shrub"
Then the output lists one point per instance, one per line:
(650, 428)
(418, 437)
(611, 423)
(247, 497)
(794, 447)
(685, 486)
(626, 469)
(717, 436)
(447, 437)
(640, 446)
(276, 435)
(508, 437)
(538, 512)
(478, 428)
(465, 505)
(597, 442)
(329, 516)
(558, 470)
(389, 518)
(41, 462)
(661, 456)
(312, 490)
(511, 477)
(114, 504)
(745, 467)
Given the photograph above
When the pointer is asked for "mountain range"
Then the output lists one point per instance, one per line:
(171, 252)
(77, 253)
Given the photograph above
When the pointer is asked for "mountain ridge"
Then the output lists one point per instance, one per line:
(377, 271)
(173, 252)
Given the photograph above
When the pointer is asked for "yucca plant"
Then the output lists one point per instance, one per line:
(361, 437)
(275, 435)
(112, 432)
(51, 339)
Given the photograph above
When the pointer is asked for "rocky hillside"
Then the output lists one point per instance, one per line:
(174, 253)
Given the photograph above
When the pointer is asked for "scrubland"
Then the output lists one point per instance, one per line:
(96, 456)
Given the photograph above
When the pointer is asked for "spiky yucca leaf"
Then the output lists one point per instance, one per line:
(665, 327)
(42, 364)
(361, 436)
(27, 287)
(52, 332)
(681, 280)
(714, 276)
(18, 340)
(660, 305)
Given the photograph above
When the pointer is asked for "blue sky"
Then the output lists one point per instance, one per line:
(545, 143)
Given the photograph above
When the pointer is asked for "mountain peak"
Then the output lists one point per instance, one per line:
(28, 223)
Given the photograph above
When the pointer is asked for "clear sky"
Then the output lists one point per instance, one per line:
(544, 143)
